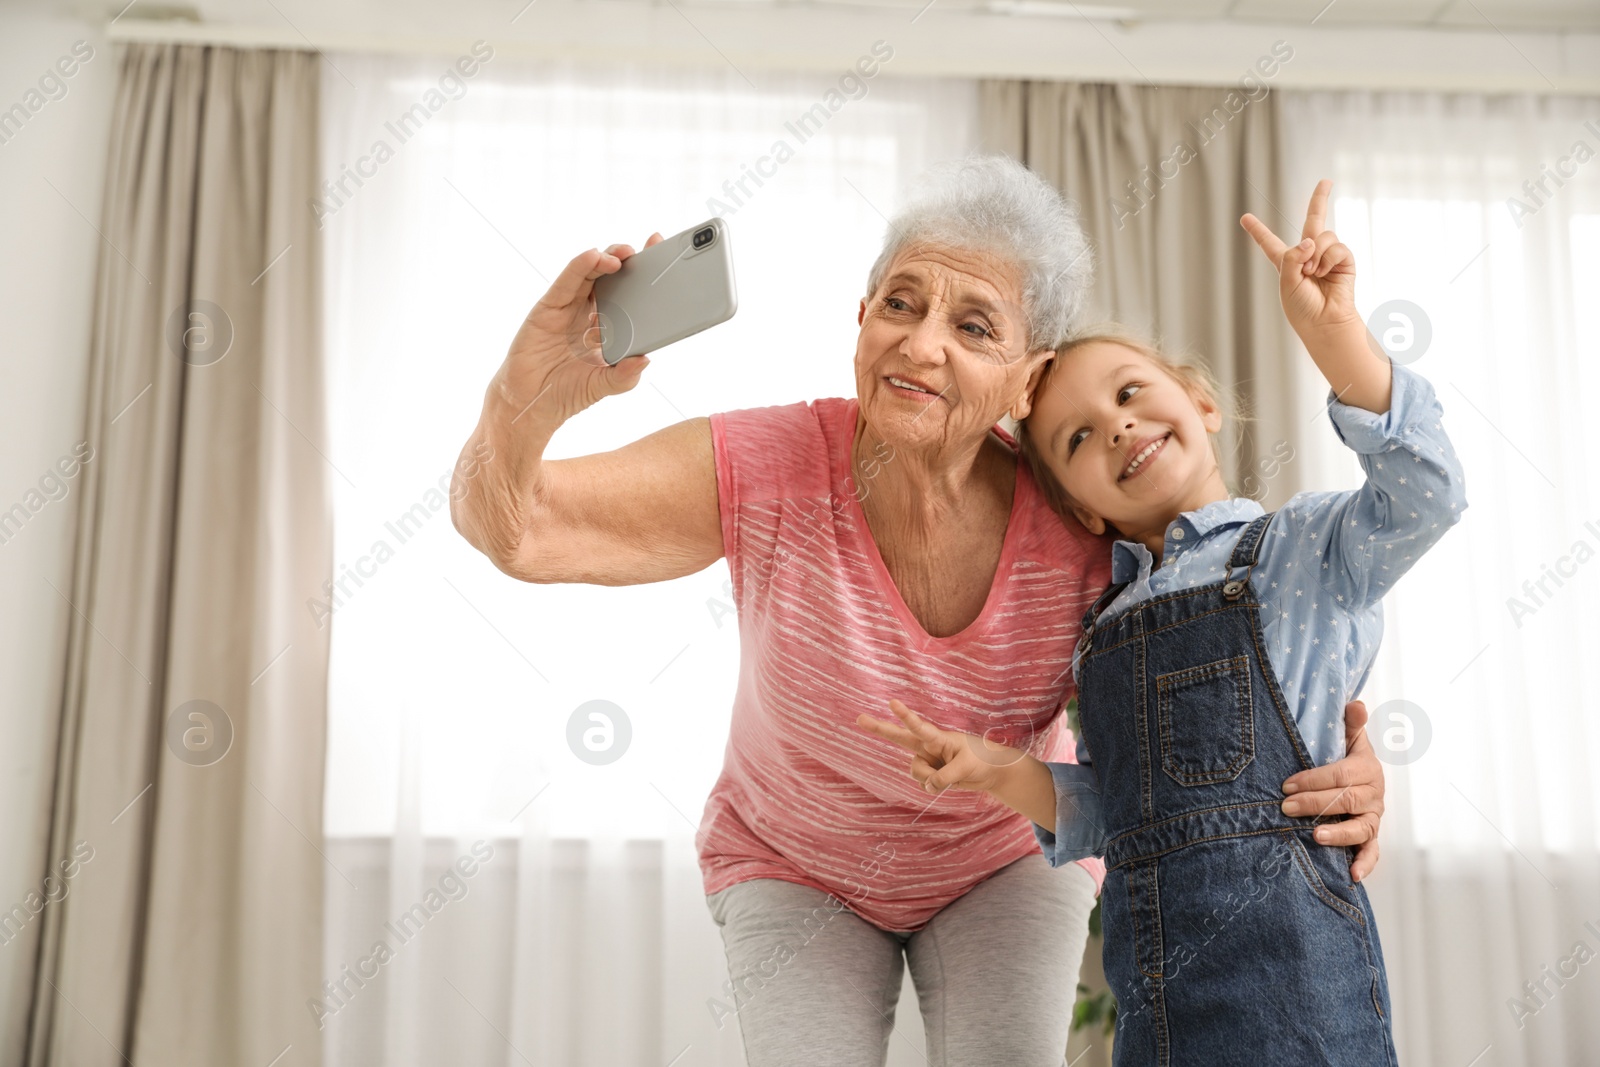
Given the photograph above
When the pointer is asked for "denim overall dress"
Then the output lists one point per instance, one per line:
(1231, 937)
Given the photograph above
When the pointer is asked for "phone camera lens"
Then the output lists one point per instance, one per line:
(704, 236)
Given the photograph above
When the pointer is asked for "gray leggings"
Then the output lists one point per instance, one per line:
(996, 971)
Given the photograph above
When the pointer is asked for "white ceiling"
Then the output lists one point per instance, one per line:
(1492, 15)
(1507, 15)
(1478, 45)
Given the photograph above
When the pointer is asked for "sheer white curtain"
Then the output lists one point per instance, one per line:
(1484, 213)
(573, 929)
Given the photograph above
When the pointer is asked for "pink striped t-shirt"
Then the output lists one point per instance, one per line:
(805, 795)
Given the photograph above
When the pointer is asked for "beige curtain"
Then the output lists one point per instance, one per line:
(1162, 175)
(188, 834)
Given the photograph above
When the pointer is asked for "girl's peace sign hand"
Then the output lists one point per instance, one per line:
(942, 759)
(1317, 277)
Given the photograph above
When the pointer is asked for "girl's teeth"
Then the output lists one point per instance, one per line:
(1149, 451)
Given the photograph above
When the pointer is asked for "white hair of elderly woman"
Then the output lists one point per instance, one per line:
(994, 204)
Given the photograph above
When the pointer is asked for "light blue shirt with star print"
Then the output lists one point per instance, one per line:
(1325, 564)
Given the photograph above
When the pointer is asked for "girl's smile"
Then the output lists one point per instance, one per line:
(1144, 453)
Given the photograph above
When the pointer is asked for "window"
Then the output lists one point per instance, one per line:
(1447, 205)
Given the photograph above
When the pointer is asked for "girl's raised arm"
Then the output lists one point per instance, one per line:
(1388, 415)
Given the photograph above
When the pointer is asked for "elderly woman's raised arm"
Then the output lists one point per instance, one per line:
(645, 512)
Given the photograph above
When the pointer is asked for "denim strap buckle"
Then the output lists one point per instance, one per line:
(1245, 554)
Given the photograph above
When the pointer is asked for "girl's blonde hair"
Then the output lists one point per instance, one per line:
(1188, 372)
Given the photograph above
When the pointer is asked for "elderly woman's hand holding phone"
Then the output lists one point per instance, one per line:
(584, 519)
(603, 311)
(555, 359)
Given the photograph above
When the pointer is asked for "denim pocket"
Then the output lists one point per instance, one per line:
(1324, 891)
(1206, 720)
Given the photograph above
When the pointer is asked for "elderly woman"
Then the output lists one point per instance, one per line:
(887, 544)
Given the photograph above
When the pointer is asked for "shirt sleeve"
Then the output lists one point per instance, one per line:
(1078, 833)
(1414, 492)
(762, 456)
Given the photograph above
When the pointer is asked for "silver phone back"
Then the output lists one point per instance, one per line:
(666, 293)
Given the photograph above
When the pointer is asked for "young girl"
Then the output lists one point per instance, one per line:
(1217, 664)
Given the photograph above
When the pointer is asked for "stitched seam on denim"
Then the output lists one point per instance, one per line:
(1141, 725)
(1243, 602)
(1315, 881)
(1135, 895)
(1154, 828)
(1163, 1039)
(1238, 668)
(1193, 841)
(1127, 616)
(1147, 827)
(1163, 1042)
(1159, 940)
(1374, 960)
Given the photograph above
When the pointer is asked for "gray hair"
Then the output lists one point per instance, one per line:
(994, 204)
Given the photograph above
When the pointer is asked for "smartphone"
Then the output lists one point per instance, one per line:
(667, 292)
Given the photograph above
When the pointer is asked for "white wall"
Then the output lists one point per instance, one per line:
(51, 173)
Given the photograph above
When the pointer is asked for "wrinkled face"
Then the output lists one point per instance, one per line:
(1127, 441)
(942, 352)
